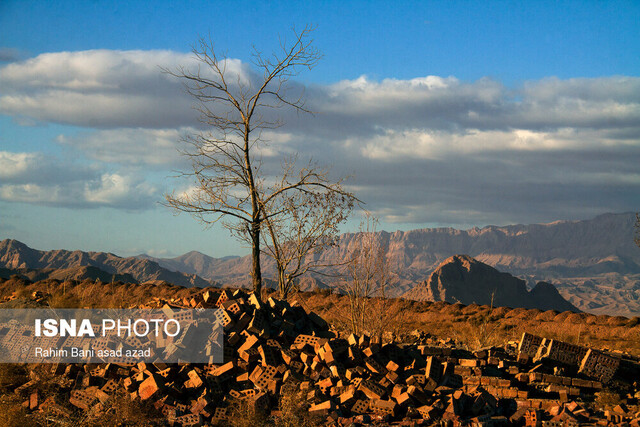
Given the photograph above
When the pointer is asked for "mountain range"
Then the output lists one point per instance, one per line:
(18, 258)
(594, 263)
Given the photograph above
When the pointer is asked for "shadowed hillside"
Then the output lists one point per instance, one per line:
(465, 280)
(20, 258)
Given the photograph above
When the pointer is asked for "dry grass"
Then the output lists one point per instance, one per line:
(89, 294)
(12, 414)
(473, 326)
(476, 326)
(293, 409)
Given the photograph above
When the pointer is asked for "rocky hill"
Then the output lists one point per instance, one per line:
(72, 273)
(18, 258)
(594, 263)
(463, 279)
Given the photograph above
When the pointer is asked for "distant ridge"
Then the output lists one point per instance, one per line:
(63, 264)
(463, 279)
(594, 264)
(72, 273)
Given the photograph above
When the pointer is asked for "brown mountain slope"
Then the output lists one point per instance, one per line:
(541, 251)
(594, 263)
(15, 255)
(71, 273)
(463, 279)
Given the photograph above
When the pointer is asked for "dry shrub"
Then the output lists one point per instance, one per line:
(12, 414)
(547, 316)
(323, 292)
(440, 307)
(481, 330)
(244, 414)
(617, 321)
(530, 314)
(500, 312)
(386, 317)
(591, 320)
(470, 309)
(634, 321)
(120, 410)
(606, 399)
(294, 409)
(66, 300)
(576, 318)
(367, 283)
(87, 293)
(514, 312)
(23, 292)
(561, 317)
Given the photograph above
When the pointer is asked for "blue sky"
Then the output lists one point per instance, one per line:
(445, 113)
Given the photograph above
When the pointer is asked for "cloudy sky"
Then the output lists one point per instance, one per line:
(444, 113)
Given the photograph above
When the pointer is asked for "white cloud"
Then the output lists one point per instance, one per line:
(33, 178)
(32, 193)
(132, 146)
(393, 145)
(119, 190)
(38, 168)
(112, 89)
(419, 149)
(102, 88)
(14, 164)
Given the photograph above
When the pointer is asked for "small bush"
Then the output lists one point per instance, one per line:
(293, 409)
(11, 376)
(12, 414)
(243, 414)
(635, 321)
(606, 399)
(120, 410)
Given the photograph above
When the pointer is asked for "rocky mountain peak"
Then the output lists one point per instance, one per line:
(463, 279)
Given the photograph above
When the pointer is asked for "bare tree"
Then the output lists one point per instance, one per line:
(238, 105)
(302, 225)
(367, 280)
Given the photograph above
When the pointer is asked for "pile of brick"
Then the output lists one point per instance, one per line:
(589, 362)
(352, 378)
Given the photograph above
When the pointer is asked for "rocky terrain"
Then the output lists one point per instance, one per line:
(463, 279)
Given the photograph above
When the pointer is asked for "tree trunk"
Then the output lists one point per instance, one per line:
(256, 274)
(282, 284)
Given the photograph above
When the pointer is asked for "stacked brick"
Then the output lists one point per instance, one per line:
(589, 362)
(269, 345)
